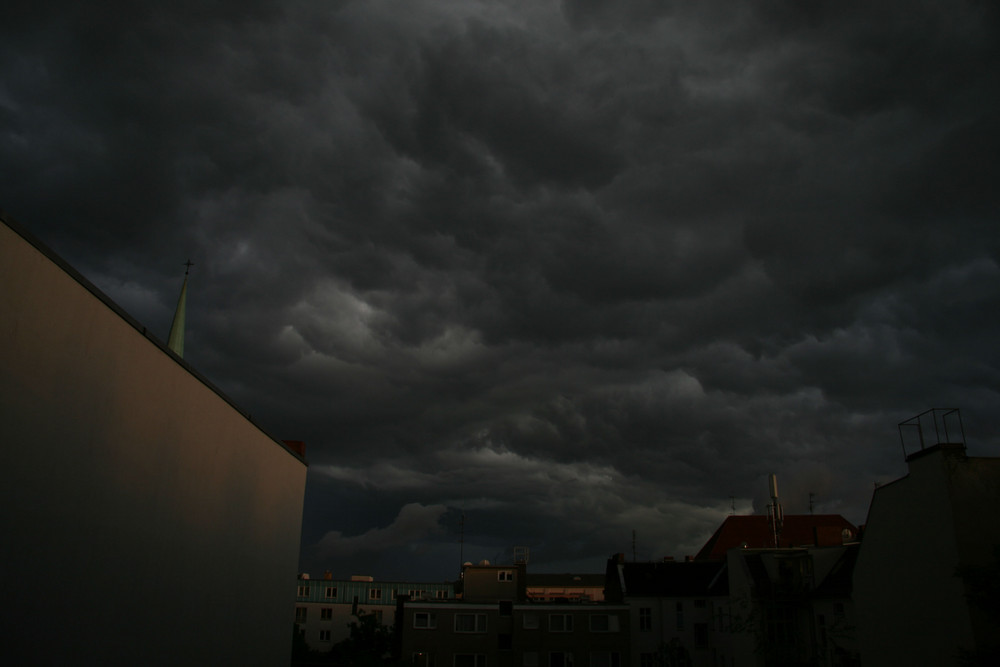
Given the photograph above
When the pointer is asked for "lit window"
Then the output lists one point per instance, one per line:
(331, 592)
(505, 575)
(560, 623)
(424, 620)
(301, 614)
(645, 619)
(470, 660)
(375, 594)
(470, 622)
(324, 635)
(326, 613)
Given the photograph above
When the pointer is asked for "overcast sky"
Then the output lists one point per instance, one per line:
(572, 268)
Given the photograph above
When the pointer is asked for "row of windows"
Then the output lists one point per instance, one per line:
(528, 659)
(426, 620)
(330, 593)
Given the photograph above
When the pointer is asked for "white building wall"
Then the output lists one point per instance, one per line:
(145, 520)
(911, 607)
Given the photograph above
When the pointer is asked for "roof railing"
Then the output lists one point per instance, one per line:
(944, 421)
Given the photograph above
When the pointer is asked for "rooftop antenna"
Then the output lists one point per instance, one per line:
(634, 558)
(811, 496)
(732, 505)
(775, 516)
(461, 542)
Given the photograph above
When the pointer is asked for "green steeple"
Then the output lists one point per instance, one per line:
(176, 339)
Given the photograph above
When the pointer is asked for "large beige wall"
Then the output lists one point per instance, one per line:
(143, 519)
(910, 605)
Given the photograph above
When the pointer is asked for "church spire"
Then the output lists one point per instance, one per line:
(176, 339)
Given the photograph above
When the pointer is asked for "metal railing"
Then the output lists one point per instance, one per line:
(943, 420)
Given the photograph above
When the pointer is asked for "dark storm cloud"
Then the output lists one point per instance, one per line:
(574, 268)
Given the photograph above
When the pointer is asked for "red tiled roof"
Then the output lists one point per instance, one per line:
(797, 530)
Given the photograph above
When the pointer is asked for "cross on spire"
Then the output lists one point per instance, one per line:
(188, 264)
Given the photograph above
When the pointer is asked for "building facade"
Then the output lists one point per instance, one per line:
(131, 488)
(927, 536)
(326, 607)
(495, 624)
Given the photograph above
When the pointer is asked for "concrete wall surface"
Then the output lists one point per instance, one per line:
(911, 605)
(144, 519)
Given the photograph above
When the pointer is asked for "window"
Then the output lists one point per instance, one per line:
(470, 622)
(441, 595)
(378, 615)
(392, 594)
(506, 608)
(423, 620)
(699, 604)
(326, 613)
(603, 623)
(701, 635)
(605, 659)
(416, 594)
(559, 659)
(560, 623)
(324, 635)
(645, 619)
(529, 659)
(505, 575)
(375, 594)
(505, 641)
(331, 592)
(301, 614)
(303, 591)
(470, 660)
(647, 660)
(530, 621)
(680, 615)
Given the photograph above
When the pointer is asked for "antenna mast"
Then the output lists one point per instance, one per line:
(775, 516)
(461, 542)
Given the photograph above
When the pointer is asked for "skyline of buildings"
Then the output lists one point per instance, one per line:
(158, 465)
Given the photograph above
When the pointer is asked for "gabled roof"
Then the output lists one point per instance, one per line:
(797, 530)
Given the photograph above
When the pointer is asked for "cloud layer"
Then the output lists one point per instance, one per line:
(571, 268)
